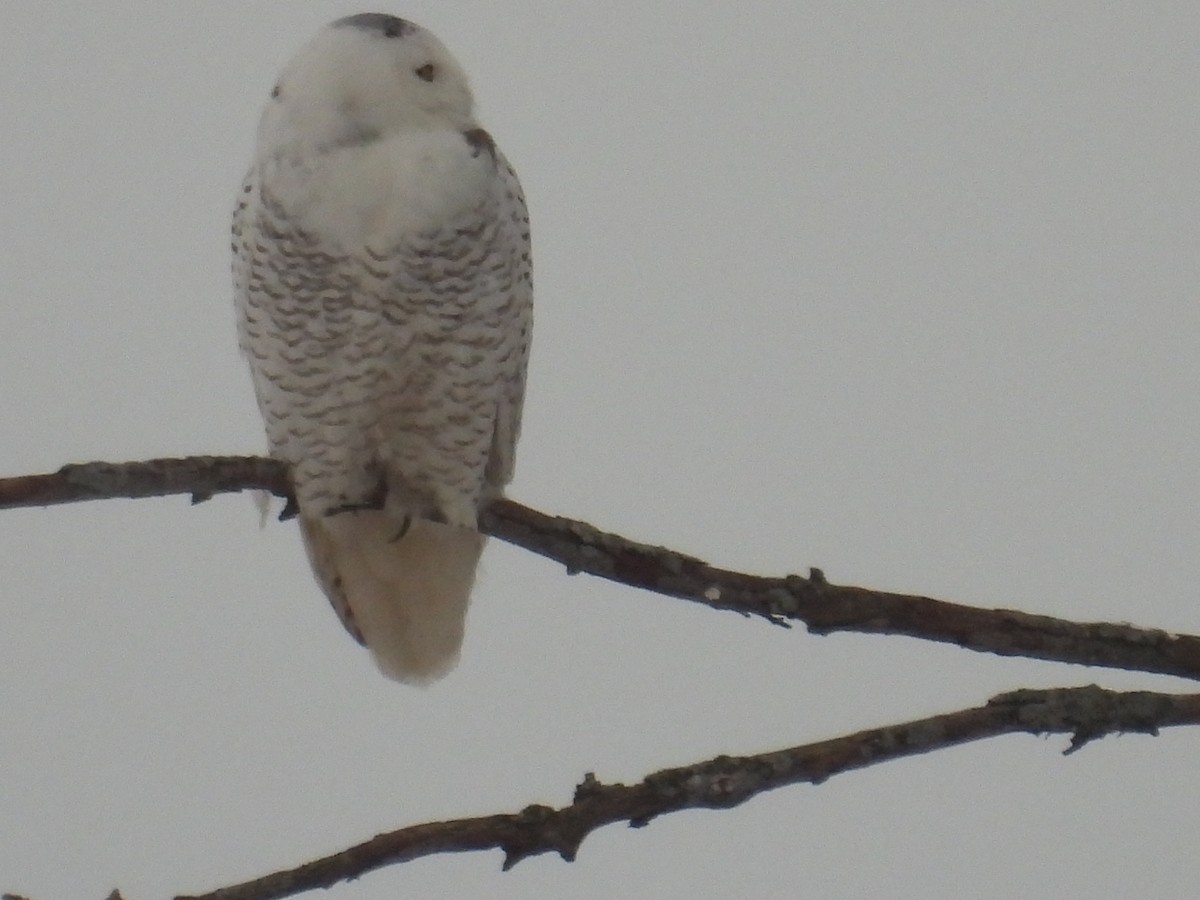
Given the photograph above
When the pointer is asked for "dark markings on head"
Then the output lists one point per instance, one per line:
(480, 140)
(355, 136)
(275, 92)
(388, 26)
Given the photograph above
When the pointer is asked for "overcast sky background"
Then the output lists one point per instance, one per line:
(905, 291)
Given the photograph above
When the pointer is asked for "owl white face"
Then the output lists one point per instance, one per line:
(362, 78)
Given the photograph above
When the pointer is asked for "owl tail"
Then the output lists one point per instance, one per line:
(404, 597)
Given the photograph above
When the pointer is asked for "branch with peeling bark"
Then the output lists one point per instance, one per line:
(822, 606)
(1085, 713)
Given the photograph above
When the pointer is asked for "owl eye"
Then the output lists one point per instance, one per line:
(426, 72)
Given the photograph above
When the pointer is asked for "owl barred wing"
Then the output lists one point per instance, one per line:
(252, 269)
(456, 315)
(515, 215)
(243, 257)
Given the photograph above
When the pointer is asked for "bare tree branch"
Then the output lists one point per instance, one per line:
(114, 895)
(1086, 713)
(823, 607)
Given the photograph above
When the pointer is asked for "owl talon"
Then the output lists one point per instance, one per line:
(290, 510)
(403, 530)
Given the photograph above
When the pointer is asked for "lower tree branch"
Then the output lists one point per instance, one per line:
(823, 607)
(1085, 713)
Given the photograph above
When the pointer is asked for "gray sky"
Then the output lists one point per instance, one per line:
(905, 291)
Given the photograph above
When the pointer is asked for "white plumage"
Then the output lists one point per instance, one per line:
(384, 296)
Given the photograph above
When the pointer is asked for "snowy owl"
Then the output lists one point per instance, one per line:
(384, 297)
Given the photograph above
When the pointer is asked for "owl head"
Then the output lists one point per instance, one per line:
(365, 77)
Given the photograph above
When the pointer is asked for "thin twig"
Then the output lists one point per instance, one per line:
(823, 607)
(1086, 713)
